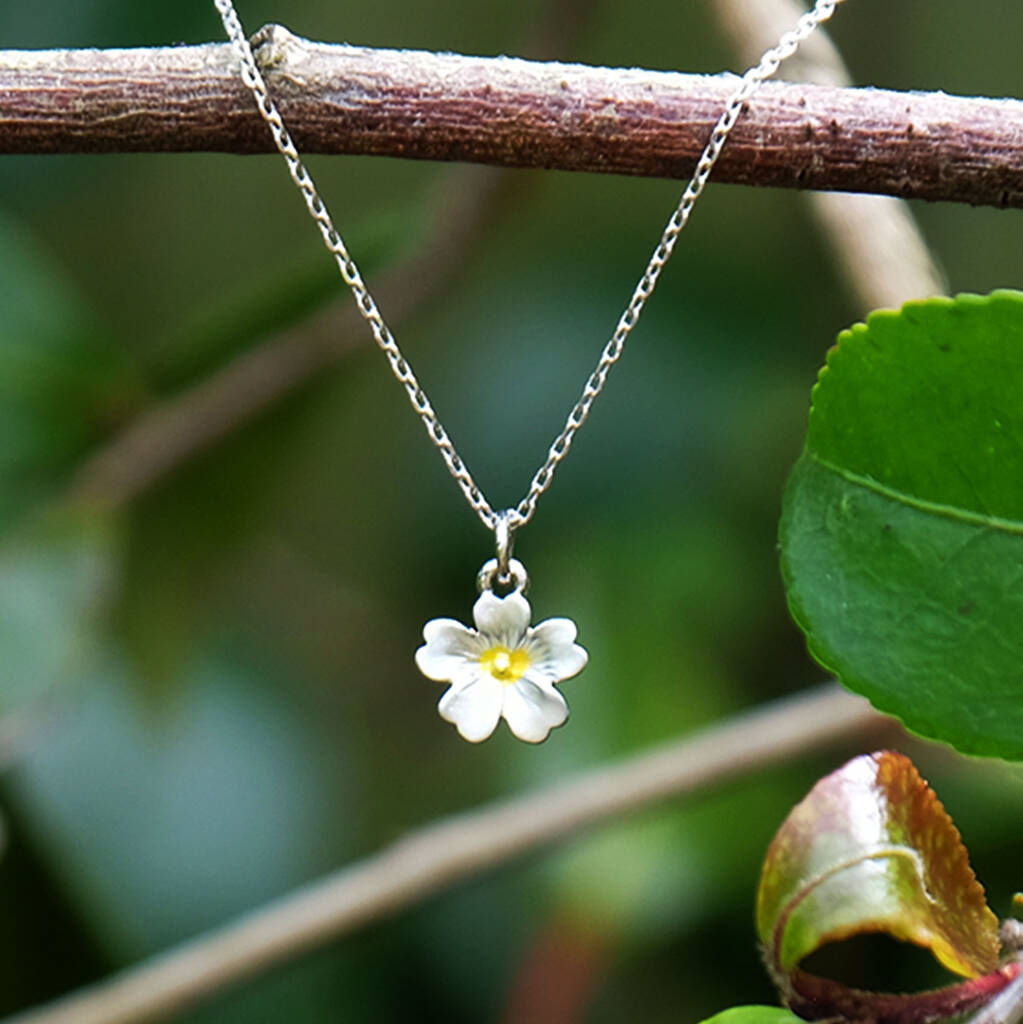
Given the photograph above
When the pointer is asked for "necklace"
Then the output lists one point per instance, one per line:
(505, 668)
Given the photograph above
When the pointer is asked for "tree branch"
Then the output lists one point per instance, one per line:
(451, 851)
(343, 99)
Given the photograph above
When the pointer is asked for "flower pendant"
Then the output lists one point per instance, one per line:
(504, 668)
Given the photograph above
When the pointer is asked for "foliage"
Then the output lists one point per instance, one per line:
(902, 532)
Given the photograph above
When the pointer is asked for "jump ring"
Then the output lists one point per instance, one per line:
(515, 579)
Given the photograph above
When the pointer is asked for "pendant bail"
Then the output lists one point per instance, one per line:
(504, 534)
(504, 572)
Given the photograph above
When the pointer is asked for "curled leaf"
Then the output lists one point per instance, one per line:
(871, 849)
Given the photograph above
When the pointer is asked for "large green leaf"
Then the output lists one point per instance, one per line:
(902, 531)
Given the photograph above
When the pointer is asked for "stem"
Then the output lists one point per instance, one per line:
(822, 999)
(342, 99)
(453, 850)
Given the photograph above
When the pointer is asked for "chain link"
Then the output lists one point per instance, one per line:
(512, 519)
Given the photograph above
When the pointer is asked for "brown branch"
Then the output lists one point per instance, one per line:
(448, 852)
(342, 99)
(163, 437)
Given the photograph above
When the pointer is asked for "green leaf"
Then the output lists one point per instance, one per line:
(902, 529)
(754, 1015)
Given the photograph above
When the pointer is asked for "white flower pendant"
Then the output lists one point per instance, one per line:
(504, 668)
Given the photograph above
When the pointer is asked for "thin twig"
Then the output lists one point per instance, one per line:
(343, 99)
(875, 240)
(451, 851)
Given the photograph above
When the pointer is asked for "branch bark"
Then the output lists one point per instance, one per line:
(343, 99)
(451, 851)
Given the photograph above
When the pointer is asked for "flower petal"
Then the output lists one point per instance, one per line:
(449, 646)
(531, 711)
(504, 620)
(553, 652)
(474, 708)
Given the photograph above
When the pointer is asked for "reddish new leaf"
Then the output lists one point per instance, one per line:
(871, 849)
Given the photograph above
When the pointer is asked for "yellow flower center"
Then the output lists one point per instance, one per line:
(504, 665)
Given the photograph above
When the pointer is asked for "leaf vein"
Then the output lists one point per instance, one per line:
(962, 515)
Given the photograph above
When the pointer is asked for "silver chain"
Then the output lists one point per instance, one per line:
(523, 512)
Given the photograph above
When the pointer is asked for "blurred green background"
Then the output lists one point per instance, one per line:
(207, 695)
